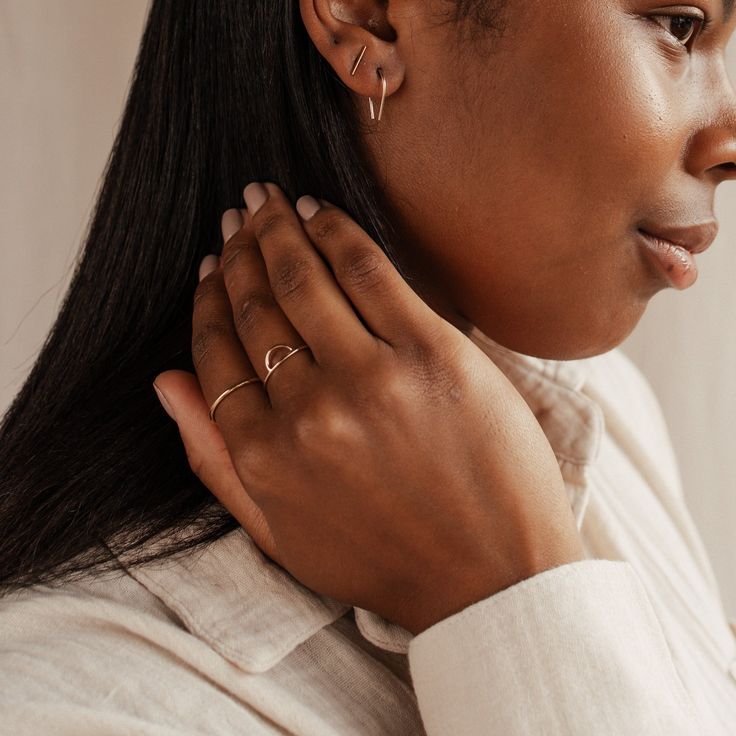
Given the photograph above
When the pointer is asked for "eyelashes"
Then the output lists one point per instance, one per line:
(689, 26)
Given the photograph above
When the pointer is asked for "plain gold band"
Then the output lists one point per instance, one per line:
(270, 369)
(227, 392)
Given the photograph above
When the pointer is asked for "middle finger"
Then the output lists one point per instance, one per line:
(259, 321)
(303, 283)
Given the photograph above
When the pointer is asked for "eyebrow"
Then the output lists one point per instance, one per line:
(728, 8)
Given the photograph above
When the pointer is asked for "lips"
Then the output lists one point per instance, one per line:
(676, 265)
(694, 238)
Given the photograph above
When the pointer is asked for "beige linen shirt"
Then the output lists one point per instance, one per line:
(631, 640)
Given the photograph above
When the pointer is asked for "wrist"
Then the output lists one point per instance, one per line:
(426, 611)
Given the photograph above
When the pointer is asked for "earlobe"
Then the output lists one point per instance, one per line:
(383, 86)
(357, 40)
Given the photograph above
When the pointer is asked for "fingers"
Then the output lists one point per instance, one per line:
(299, 280)
(209, 457)
(259, 321)
(387, 304)
(221, 362)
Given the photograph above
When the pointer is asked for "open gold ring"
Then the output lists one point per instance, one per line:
(271, 368)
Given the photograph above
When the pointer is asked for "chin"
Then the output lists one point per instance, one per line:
(584, 335)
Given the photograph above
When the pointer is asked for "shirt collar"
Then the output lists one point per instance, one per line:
(237, 600)
(253, 612)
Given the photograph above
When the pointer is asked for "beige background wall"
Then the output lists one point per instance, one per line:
(64, 69)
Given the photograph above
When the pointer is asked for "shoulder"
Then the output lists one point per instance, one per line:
(74, 631)
(102, 656)
(217, 641)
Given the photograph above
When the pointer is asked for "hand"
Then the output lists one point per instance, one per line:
(390, 466)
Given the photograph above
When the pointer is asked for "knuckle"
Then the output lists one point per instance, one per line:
(326, 427)
(206, 288)
(423, 366)
(206, 337)
(422, 354)
(292, 277)
(269, 222)
(196, 459)
(397, 389)
(248, 310)
(256, 463)
(327, 226)
(433, 371)
(232, 252)
(363, 269)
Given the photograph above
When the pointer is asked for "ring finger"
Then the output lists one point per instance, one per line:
(259, 320)
(219, 359)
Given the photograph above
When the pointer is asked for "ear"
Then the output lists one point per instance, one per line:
(340, 28)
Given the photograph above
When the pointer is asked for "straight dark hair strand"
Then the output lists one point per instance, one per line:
(223, 92)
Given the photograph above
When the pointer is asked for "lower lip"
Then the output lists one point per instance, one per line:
(677, 264)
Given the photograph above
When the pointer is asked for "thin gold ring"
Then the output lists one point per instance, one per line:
(271, 368)
(227, 392)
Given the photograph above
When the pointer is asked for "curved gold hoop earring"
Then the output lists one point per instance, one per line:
(383, 83)
(383, 97)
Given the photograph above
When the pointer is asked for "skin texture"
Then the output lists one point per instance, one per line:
(394, 431)
(556, 142)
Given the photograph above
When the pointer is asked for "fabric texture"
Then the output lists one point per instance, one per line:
(222, 641)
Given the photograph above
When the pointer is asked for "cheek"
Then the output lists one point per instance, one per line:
(606, 134)
(548, 231)
(583, 129)
(581, 147)
(556, 158)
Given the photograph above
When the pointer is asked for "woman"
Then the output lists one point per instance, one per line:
(444, 503)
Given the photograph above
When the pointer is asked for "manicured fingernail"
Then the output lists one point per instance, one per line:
(231, 222)
(306, 206)
(164, 402)
(255, 194)
(208, 265)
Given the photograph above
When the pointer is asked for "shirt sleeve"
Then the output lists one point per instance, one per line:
(572, 651)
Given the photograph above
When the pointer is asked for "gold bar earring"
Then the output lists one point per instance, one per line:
(383, 83)
(360, 58)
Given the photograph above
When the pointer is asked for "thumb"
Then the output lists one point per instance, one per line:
(208, 455)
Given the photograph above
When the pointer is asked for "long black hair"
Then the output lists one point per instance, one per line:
(223, 92)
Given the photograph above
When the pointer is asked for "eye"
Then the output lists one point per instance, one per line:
(684, 28)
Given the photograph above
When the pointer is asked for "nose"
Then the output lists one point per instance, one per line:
(712, 154)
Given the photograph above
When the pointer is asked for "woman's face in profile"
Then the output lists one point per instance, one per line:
(521, 173)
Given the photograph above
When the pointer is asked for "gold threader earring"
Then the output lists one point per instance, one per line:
(383, 82)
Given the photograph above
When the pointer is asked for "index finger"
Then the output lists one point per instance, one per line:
(388, 305)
